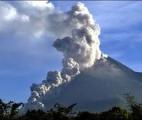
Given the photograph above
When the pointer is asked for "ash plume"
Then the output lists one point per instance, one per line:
(79, 42)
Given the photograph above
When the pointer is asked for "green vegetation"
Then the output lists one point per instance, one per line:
(9, 111)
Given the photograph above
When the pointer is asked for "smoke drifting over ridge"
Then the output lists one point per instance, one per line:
(92, 87)
(76, 37)
(80, 49)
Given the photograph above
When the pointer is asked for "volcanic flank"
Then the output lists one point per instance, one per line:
(88, 77)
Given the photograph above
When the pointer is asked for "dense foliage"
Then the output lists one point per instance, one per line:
(9, 111)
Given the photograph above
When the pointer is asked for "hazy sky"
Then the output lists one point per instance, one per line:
(24, 61)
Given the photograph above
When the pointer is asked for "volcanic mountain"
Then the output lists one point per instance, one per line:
(88, 77)
(100, 87)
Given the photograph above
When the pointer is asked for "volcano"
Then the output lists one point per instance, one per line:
(88, 77)
(97, 88)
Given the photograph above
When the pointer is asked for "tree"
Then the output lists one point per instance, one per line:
(87, 116)
(8, 110)
(136, 112)
(116, 113)
(14, 108)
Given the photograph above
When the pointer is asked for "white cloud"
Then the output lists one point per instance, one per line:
(37, 4)
(28, 21)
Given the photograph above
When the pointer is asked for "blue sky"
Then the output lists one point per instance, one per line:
(24, 61)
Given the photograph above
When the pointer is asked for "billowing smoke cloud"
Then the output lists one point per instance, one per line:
(77, 34)
(80, 47)
(39, 18)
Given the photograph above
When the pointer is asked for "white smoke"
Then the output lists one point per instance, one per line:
(78, 41)
(39, 18)
(82, 46)
(82, 42)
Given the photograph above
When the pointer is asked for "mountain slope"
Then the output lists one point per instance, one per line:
(99, 87)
